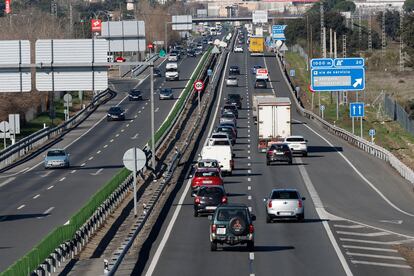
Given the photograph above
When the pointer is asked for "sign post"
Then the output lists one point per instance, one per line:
(199, 86)
(4, 128)
(67, 98)
(322, 109)
(356, 109)
(134, 159)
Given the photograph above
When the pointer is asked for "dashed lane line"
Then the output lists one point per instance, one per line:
(48, 210)
(50, 187)
(21, 207)
(90, 158)
(36, 196)
(381, 264)
(63, 178)
(98, 152)
(375, 256)
(370, 248)
(105, 146)
(376, 234)
(73, 171)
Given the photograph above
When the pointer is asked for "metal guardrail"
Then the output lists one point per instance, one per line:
(28, 144)
(361, 143)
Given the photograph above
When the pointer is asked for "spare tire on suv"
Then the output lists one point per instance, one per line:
(237, 226)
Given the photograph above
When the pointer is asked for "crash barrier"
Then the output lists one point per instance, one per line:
(32, 142)
(67, 240)
(357, 141)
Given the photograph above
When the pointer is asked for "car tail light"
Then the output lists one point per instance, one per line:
(251, 229)
(300, 204)
(197, 200)
(269, 204)
(213, 228)
(224, 199)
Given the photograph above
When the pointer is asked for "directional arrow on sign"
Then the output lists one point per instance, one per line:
(357, 82)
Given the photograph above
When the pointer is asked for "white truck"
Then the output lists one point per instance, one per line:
(171, 71)
(222, 153)
(273, 121)
(257, 97)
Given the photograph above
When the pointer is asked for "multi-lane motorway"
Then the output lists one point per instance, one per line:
(33, 201)
(357, 209)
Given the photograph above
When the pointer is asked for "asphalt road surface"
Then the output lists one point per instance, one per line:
(357, 208)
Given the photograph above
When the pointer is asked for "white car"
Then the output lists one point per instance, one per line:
(297, 144)
(173, 57)
(284, 204)
(221, 135)
(232, 81)
(238, 49)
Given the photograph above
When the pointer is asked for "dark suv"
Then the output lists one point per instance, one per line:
(208, 198)
(279, 152)
(232, 224)
(230, 108)
(235, 99)
(234, 70)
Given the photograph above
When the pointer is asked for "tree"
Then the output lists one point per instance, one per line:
(408, 37)
(392, 23)
(409, 5)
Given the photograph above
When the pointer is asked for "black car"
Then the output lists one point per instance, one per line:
(135, 95)
(260, 83)
(115, 113)
(234, 99)
(208, 198)
(157, 72)
(232, 224)
(234, 70)
(191, 53)
(279, 152)
(230, 108)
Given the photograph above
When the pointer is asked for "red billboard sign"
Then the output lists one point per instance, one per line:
(7, 8)
(96, 25)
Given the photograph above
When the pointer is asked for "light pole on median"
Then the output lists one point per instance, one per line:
(152, 117)
(166, 36)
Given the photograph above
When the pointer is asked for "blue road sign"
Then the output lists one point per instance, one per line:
(322, 63)
(371, 132)
(322, 107)
(278, 32)
(338, 79)
(356, 110)
(209, 72)
(349, 62)
(292, 72)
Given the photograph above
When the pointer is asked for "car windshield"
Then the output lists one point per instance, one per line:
(166, 91)
(228, 115)
(56, 153)
(210, 191)
(210, 164)
(234, 68)
(295, 139)
(221, 143)
(219, 136)
(115, 109)
(228, 214)
(231, 107)
(207, 173)
(135, 92)
(260, 80)
(234, 97)
(279, 147)
(285, 195)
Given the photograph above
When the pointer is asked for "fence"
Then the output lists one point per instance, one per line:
(397, 113)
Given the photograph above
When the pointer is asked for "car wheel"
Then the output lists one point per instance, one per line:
(305, 154)
(213, 246)
(267, 163)
(250, 245)
(195, 213)
(301, 217)
(268, 219)
(290, 162)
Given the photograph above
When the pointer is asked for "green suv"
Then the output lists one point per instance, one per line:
(232, 224)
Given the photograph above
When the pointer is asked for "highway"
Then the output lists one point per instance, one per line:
(33, 201)
(357, 208)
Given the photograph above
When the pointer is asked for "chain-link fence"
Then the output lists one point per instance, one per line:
(397, 113)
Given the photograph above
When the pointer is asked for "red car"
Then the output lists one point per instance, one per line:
(206, 177)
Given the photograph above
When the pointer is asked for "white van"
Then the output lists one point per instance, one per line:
(171, 71)
(223, 154)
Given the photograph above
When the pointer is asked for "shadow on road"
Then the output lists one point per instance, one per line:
(22, 216)
(324, 149)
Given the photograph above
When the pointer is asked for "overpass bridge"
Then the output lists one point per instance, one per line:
(243, 19)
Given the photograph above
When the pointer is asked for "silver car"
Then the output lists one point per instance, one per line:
(56, 158)
(284, 204)
(232, 81)
(228, 118)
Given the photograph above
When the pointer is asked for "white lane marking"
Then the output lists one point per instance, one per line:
(248, 157)
(349, 226)
(77, 139)
(157, 109)
(250, 209)
(362, 176)
(251, 256)
(381, 264)
(249, 171)
(249, 179)
(117, 135)
(105, 146)
(7, 181)
(20, 207)
(50, 187)
(248, 146)
(36, 196)
(146, 103)
(321, 213)
(48, 210)
(376, 234)
(110, 141)
(73, 171)
(248, 164)
(127, 125)
(248, 140)
(98, 152)
(97, 172)
(16, 173)
(46, 174)
(375, 256)
(167, 232)
(143, 107)
(63, 178)
(135, 136)
(248, 151)
(248, 135)
(377, 242)
(67, 223)
(249, 197)
(392, 221)
(122, 130)
(370, 248)
(136, 116)
(83, 164)
(249, 188)
(90, 158)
